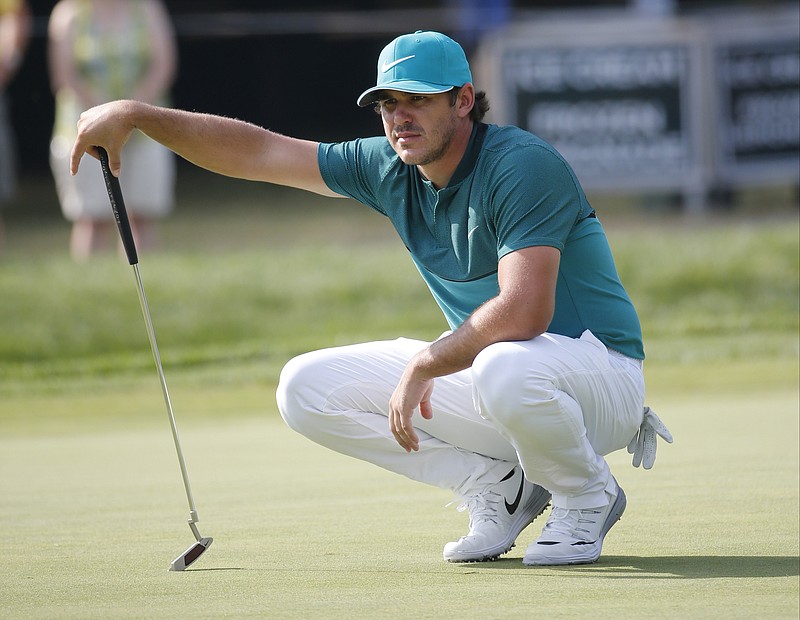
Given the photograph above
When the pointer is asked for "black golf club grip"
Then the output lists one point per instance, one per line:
(118, 207)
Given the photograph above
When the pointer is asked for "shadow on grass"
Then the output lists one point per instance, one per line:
(668, 567)
(610, 567)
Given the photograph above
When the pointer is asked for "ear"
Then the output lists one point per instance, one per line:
(466, 100)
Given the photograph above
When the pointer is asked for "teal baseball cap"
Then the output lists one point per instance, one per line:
(422, 62)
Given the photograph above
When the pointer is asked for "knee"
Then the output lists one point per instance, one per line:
(295, 394)
(507, 383)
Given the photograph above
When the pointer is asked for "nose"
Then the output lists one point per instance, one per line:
(402, 114)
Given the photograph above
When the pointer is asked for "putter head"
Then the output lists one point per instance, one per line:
(188, 557)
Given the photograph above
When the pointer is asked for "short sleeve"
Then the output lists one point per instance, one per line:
(536, 199)
(353, 168)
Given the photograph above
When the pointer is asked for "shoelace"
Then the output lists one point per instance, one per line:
(481, 507)
(569, 522)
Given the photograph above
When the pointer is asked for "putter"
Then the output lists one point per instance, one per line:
(188, 557)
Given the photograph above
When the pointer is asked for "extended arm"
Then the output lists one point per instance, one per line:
(522, 310)
(223, 145)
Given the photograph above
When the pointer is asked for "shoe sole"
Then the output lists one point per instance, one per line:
(620, 503)
(536, 505)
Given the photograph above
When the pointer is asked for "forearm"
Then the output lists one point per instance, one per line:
(494, 321)
(223, 145)
(488, 324)
(522, 310)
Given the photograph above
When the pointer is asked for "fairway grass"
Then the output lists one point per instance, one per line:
(92, 515)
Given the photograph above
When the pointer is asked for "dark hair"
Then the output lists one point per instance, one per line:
(477, 112)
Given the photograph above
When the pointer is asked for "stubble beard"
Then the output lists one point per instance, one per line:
(442, 138)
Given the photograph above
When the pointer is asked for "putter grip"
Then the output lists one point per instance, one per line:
(118, 207)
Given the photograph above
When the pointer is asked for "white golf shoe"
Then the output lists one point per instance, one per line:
(497, 515)
(575, 536)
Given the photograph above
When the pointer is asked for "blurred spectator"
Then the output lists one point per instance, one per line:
(101, 50)
(15, 25)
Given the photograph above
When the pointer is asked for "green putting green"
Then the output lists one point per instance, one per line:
(92, 509)
(92, 518)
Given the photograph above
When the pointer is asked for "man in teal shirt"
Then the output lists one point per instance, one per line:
(511, 191)
(540, 375)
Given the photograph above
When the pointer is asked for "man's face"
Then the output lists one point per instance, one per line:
(419, 127)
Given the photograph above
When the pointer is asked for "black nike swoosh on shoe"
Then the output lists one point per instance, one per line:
(512, 507)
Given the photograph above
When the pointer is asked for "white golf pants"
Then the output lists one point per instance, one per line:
(553, 404)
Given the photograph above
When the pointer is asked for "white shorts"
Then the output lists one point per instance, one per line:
(147, 181)
(556, 405)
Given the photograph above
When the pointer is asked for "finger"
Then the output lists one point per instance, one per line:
(75, 156)
(649, 457)
(403, 431)
(662, 430)
(658, 425)
(396, 432)
(114, 163)
(409, 434)
(401, 441)
(665, 434)
(425, 409)
(637, 455)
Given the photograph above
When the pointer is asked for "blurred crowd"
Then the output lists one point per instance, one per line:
(98, 51)
(15, 26)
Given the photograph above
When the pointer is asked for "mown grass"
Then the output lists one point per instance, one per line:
(91, 520)
(245, 282)
(246, 277)
(93, 509)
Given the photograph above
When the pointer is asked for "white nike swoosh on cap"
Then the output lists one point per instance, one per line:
(388, 65)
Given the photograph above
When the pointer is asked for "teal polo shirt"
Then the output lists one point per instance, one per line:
(510, 191)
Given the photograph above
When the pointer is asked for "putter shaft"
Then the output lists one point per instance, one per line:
(126, 235)
(193, 518)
